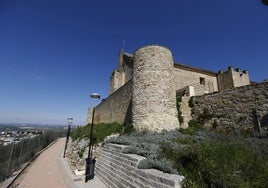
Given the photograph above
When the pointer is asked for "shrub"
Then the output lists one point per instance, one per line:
(128, 129)
(205, 116)
(158, 163)
(100, 131)
(219, 165)
(191, 102)
(194, 127)
(206, 158)
(178, 101)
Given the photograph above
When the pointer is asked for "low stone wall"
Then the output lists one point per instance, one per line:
(117, 169)
(233, 108)
(117, 107)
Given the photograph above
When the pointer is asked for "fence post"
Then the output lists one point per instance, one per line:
(10, 158)
(22, 145)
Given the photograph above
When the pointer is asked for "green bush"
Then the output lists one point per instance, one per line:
(206, 158)
(194, 127)
(219, 165)
(128, 129)
(191, 102)
(205, 116)
(100, 131)
(178, 101)
(80, 132)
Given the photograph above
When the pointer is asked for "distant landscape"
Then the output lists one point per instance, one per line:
(19, 143)
(27, 126)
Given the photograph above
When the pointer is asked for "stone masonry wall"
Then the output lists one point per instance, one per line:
(233, 108)
(117, 79)
(117, 169)
(117, 107)
(154, 96)
(232, 78)
(183, 78)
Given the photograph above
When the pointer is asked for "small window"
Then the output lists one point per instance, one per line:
(202, 81)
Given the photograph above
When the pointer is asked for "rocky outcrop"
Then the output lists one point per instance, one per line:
(76, 154)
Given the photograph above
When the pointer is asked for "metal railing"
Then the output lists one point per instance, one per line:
(20, 151)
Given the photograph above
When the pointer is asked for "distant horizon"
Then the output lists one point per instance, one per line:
(31, 124)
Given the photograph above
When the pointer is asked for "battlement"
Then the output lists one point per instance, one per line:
(232, 78)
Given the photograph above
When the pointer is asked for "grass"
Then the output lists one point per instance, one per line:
(100, 131)
(205, 158)
(194, 127)
(178, 101)
(224, 164)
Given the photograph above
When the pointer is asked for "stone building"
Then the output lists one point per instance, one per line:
(143, 88)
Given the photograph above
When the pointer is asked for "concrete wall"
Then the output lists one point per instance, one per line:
(117, 107)
(117, 169)
(233, 108)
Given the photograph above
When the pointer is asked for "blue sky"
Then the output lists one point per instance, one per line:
(54, 53)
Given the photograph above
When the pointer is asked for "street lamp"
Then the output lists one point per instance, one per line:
(70, 120)
(90, 162)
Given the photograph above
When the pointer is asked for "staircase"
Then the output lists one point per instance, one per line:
(117, 169)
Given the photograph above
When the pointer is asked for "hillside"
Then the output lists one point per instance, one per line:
(205, 157)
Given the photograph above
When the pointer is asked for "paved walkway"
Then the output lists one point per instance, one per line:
(51, 170)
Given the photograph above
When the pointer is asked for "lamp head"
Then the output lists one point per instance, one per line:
(70, 120)
(95, 96)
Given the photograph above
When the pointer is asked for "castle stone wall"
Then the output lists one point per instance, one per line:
(225, 79)
(117, 79)
(183, 78)
(117, 107)
(154, 96)
(128, 66)
(233, 108)
(240, 78)
(230, 78)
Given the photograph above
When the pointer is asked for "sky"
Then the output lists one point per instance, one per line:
(55, 53)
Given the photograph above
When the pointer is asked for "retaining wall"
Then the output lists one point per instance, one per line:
(233, 108)
(117, 169)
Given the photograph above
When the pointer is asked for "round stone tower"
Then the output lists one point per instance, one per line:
(154, 95)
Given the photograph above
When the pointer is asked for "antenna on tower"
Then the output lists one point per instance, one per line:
(123, 48)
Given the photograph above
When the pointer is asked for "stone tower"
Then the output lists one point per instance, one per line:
(154, 97)
(232, 78)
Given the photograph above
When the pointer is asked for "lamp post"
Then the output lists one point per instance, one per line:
(70, 120)
(90, 162)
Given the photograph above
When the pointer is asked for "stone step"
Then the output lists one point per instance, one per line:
(117, 169)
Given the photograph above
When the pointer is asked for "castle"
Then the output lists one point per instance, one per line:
(143, 88)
